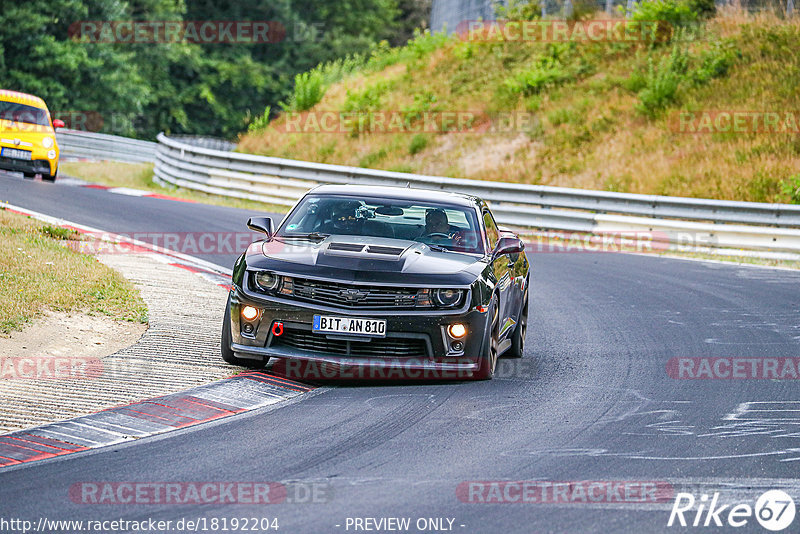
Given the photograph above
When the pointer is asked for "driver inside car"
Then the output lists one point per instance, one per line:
(436, 222)
(343, 219)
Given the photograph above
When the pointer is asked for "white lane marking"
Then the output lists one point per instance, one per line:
(128, 191)
(112, 237)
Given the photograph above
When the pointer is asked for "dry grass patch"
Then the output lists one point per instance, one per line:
(38, 272)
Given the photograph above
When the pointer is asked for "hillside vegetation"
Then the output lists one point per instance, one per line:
(605, 115)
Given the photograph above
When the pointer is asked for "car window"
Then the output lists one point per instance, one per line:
(491, 229)
(452, 227)
(12, 111)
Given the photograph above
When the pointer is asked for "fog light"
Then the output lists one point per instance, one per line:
(456, 346)
(457, 330)
(51, 154)
(249, 313)
(247, 328)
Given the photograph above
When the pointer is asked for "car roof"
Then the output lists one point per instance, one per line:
(21, 98)
(398, 193)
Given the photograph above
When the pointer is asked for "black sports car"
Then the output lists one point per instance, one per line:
(380, 282)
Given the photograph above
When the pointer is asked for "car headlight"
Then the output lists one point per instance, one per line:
(51, 154)
(267, 281)
(47, 142)
(447, 297)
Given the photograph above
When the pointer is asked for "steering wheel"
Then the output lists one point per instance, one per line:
(438, 234)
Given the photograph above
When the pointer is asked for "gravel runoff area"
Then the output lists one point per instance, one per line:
(179, 350)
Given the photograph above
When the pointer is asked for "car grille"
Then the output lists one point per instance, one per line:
(388, 347)
(353, 296)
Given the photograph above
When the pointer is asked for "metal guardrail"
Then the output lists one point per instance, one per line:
(731, 224)
(81, 144)
(214, 143)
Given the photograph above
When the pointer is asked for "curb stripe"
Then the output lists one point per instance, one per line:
(276, 379)
(224, 398)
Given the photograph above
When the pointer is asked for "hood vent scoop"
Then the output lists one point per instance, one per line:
(365, 251)
(346, 247)
(390, 251)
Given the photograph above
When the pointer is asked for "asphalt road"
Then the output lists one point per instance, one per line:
(590, 401)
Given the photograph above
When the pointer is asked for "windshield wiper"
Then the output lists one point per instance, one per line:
(438, 248)
(310, 235)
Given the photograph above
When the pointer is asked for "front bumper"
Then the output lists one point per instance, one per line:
(35, 166)
(416, 344)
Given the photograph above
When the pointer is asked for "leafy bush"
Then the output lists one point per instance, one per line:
(553, 68)
(308, 91)
(714, 63)
(57, 232)
(790, 188)
(519, 10)
(368, 99)
(423, 101)
(261, 122)
(658, 87)
(372, 158)
(424, 43)
(705, 9)
(668, 15)
(661, 84)
(418, 144)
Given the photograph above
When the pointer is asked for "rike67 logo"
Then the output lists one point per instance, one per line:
(774, 511)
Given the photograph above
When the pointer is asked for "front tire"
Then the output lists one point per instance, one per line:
(225, 344)
(489, 358)
(518, 337)
(28, 175)
(50, 177)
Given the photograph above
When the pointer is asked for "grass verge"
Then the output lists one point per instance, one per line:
(38, 272)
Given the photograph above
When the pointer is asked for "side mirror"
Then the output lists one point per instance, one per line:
(261, 224)
(508, 245)
(58, 123)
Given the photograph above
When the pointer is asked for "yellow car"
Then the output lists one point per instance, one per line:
(27, 136)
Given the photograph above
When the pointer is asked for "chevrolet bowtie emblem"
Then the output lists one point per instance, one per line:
(353, 295)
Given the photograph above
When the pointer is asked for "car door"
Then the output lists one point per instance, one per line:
(502, 268)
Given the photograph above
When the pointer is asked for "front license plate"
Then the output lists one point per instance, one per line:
(15, 153)
(327, 324)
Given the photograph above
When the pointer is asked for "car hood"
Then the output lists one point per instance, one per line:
(23, 129)
(367, 259)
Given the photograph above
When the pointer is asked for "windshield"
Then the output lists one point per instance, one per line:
(11, 111)
(438, 225)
